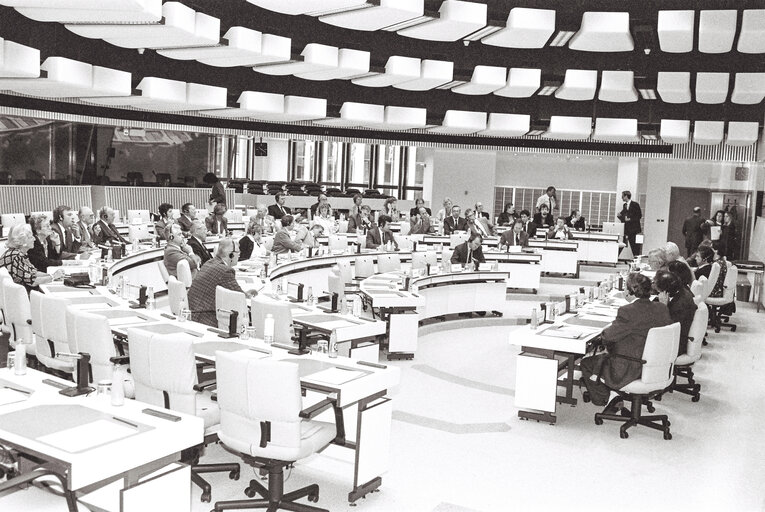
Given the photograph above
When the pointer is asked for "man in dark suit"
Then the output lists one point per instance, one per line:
(693, 230)
(218, 272)
(515, 236)
(528, 225)
(278, 210)
(418, 203)
(625, 336)
(454, 222)
(479, 211)
(104, 231)
(197, 241)
(543, 219)
(62, 225)
(630, 216)
(469, 253)
(360, 222)
(188, 214)
(381, 234)
(283, 242)
(83, 227)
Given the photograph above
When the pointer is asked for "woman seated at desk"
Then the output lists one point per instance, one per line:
(325, 219)
(217, 224)
(43, 254)
(250, 245)
(679, 300)
(624, 337)
(15, 260)
(508, 216)
(165, 210)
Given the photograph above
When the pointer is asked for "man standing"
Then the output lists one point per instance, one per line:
(104, 231)
(514, 237)
(177, 250)
(469, 253)
(630, 216)
(197, 241)
(83, 227)
(693, 230)
(454, 222)
(550, 199)
(278, 210)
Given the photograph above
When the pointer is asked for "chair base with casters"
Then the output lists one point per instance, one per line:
(633, 416)
(273, 497)
(192, 455)
(690, 387)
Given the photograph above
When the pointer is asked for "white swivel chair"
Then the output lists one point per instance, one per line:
(431, 258)
(142, 216)
(446, 259)
(457, 238)
(419, 260)
(404, 242)
(260, 412)
(163, 271)
(164, 369)
(405, 228)
(229, 300)
(50, 333)
(342, 226)
(282, 313)
(18, 315)
(697, 288)
(714, 274)
(337, 244)
(234, 215)
(3, 276)
(716, 304)
(8, 220)
(183, 270)
(684, 362)
(658, 361)
(335, 283)
(268, 242)
(388, 262)
(346, 270)
(364, 266)
(176, 295)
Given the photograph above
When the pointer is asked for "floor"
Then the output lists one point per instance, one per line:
(459, 446)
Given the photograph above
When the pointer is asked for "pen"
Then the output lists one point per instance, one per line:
(171, 317)
(115, 418)
(262, 351)
(23, 391)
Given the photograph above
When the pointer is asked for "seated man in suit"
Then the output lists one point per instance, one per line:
(528, 225)
(418, 203)
(309, 237)
(83, 227)
(420, 223)
(283, 242)
(560, 231)
(454, 222)
(478, 225)
(380, 234)
(104, 231)
(278, 210)
(176, 250)
(469, 253)
(480, 213)
(197, 241)
(265, 221)
(514, 237)
(217, 223)
(218, 272)
(188, 214)
(625, 336)
(64, 237)
(360, 222)
(543, 219)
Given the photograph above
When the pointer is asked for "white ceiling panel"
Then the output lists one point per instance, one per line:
(169, 96)
(675, 131)
(65, 78)
(181, 27)
(356, 114)
(252, 104)
(457, 122)
(616, 130)
(507, 125)
(315, 57)
(603, 32)
(350, 63)
(717, 30)
(485, 80)
(674, 87)
(752, 36)
(89, 11)
(456, 20)
(526, 28)
(240, 47)
(618, 87)
(749, 88)
(18, 61)
(305, 6)
(579, 85)
(742, 134)
(675, 30)
(708, 133)
(432, 74)
(404, 118)
(712, 88)
(376, 16)
(565, 127)
(521, 83)
(397, 70)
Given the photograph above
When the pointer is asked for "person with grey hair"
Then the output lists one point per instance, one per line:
(264, 220)
(83, 226)
(44, 253)
(15, 260)
(217, 223)
(104, 231)
(197, 241)
(217, 272)
(249, 244)
(177, 250)
(657, 258)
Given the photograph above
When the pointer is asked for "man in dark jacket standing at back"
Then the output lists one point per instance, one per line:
(692, 230)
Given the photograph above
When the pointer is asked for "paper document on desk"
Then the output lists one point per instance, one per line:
(73, 293)
(126, 320)
(11, 396)
(560, 331)
(90, 435)
(334, 376)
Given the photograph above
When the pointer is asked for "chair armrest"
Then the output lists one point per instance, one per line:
(120, 359)
(201, 386)
(317, 408)
(628, 358)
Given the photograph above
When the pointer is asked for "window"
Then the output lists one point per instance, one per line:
(359, 166)
(595, 205)
(301, 160)
(331, 168)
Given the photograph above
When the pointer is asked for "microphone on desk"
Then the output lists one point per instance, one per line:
(83, 374)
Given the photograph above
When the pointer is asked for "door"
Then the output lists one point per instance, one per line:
(681, 204)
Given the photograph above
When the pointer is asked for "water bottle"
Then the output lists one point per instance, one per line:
(118, 385)
(268, 329)
(534, 319)
(310, 297)
(150, 303)
(349, 307)
(125, 288)
(341, 305)
(333, 344)
(135, 245)
(94, 271)
(357, 308)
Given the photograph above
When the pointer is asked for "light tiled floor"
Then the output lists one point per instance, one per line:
(458, 444)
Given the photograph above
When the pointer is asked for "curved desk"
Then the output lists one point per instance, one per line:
(598, 248)
(447, 294)
(558, 256)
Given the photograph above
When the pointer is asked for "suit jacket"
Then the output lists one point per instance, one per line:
(174, 254)
(460, 255)
(681, 309)
(283, 243)
(159, 228)
(419, 226)
(276, 212)
(579, 225)
(376, 237)
(693, 230)
(106, 234)
(69, 244)
(552, 233)
(354, 221)
(86, 237)
(415, 211)
(484, 222)
(185, 223)
(42, 261)
(540, 221)
(626, 336)
(450, 225)
(200, 250)
(245, 248)
(530, 227)
(508, 239)
(212, 225)
(632, 226)
(218, 193)
(505, 219)
(202, 292)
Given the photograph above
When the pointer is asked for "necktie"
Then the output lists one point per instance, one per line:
(469, 256)
(517, 239)
(68, 238)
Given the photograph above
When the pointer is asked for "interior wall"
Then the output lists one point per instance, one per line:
(464, 176)
(577, 172)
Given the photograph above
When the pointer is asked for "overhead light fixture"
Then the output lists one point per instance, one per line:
(562, 37)
(376, 15)
(647, 94)
(314, 57)
(450, 85)
(549, 87)
(484, 32)
(456, 19)
(525, 28)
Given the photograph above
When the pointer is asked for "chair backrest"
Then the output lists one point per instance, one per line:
(405, 228)
(282, 313)
(3, 276)
(346, 270)
(342, 226)
(252, 212)
(404, 242)
(241, 381)
(659, 353)
(703, 290)
(184, 273)
(457, 238)
(36, 309)
(419, 260)
(697, 331)
(364, 265)
(143, 215)
(714, 274)
(388, 262)
(335, 282)
(138, 232)
(176, 294)
(17, 312)
(233, 215)
(729, 287)
(432, 258)
(446, 259)
(697, 287)
(163, 363)
(268, 242)
(93, 335)
(8, 220)
(163, 271)
(230, 300)
(337, 243)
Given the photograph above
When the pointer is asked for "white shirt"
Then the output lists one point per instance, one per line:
(549, 201)
(328, 224)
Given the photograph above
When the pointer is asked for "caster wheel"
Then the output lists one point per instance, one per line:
(206, 497)
(623, 435)
(733, 329)
(598, 421)
(249, 492)
(586, 396)
(667, 436)
(624, 412)
(667, 423)
(313, 497)
(234, 475)
(696, 398)
(717, 329)
(651, 408)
